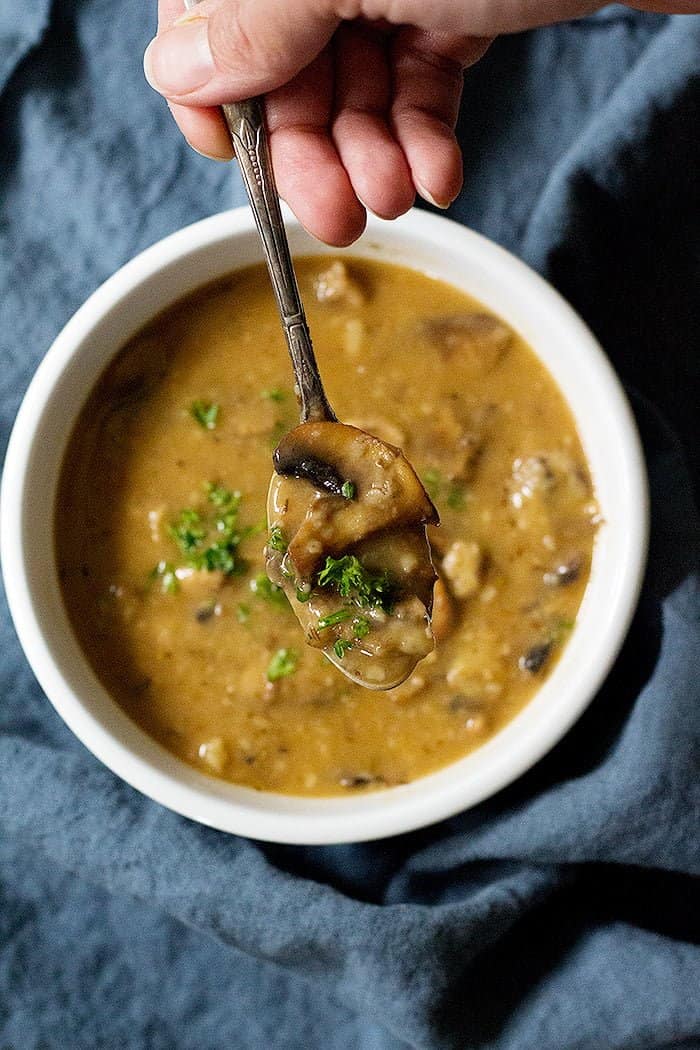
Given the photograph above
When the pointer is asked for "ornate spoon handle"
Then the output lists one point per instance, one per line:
(246, 125)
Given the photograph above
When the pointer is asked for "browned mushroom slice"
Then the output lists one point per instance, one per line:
(375, 639)
(479, 339)
(401, 554)
(363, 486)
(348, 545)
(443, 615)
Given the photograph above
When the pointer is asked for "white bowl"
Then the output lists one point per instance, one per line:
(158, 277)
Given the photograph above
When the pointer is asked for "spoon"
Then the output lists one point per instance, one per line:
(347, 512)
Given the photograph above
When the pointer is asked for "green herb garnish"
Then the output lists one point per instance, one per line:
(210, 541)
(262, 587)
(165, 572)
(206, 413)
(341, 647)
(456, 496)
(348, 489)
(432, 482)
(276, 540)
(282, 664)
(222, 497)
(303, 596)
(334, 618)
(219, 557)
(360, 627)
(278, 431)
(438, 487)
(243, 613)
(560, 629)
(349, 577)
(187, 530)
(275, 394)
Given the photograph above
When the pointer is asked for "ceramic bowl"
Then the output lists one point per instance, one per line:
(135, 294)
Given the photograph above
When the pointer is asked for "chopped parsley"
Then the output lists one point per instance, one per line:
(243, 613)
(188, 530)
(341, 647)
(206, 413)
(352, 581)
(456, 496)
(276, 540)
(303, 596)
(349, 577)
(274, 394)
(348, 489)
(560, 629)
(209, 539)
(334, 618)
(222, 497)
(453, 493)
(165, 572)
(283, 663)
(360, 627)
(432, 482)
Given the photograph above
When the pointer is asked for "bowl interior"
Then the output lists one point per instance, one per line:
(159, 277)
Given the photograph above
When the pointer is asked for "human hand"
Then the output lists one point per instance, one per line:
(362, 96)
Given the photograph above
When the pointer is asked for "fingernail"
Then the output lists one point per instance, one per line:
(179, 60)
(211, 156)
(427, 196)
(190, 16)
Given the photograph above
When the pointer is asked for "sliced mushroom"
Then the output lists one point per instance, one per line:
(381, 428)
(360, 780)
(443, 612)
(386, 491)
(340, 493)
(401, 554)
(566, 571)
(457, 436)
(533, 660)
(480, 339)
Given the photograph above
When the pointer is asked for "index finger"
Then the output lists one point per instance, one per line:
(203, 127)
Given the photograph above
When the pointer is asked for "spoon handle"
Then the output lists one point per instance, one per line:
(246, 124)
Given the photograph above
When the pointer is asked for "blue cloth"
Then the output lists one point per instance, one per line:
(560, 914)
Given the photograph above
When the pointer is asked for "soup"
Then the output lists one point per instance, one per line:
(161, 531)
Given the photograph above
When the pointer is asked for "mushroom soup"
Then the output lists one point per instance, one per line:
(161, 530)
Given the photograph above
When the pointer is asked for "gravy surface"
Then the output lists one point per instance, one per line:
(160, 526)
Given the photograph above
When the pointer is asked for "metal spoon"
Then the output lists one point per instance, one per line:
(246, 124)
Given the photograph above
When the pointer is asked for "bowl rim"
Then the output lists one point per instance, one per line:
(144, 764)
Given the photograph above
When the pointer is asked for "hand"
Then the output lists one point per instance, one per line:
(362, 96)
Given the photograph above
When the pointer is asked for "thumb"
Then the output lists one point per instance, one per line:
(234, 49)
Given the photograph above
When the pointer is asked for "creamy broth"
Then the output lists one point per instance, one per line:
(160, 527)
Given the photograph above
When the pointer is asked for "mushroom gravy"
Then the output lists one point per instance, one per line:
(160, 527)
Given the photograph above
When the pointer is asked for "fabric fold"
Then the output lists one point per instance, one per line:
(21, 29)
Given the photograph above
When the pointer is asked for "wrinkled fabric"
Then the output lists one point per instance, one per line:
(563, 913)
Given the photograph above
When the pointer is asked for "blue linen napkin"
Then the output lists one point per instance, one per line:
(561, 914)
